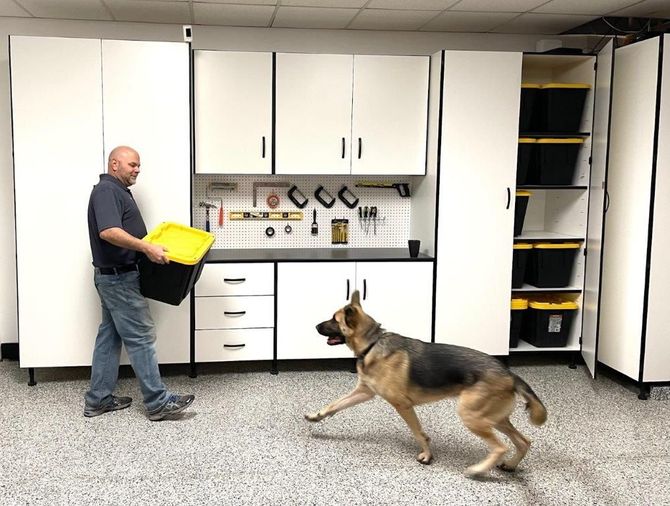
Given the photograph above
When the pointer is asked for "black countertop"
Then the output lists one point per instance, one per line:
(314, 255)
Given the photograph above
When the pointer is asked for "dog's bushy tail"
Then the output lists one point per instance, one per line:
(538, 413)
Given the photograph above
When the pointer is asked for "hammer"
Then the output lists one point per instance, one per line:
(207, 207)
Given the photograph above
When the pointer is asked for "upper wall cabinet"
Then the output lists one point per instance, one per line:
(340, 114)
(233, 112)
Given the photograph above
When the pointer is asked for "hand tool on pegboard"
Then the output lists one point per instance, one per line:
(315, 225)
(215, 190)
(207, 207)
(403, 188)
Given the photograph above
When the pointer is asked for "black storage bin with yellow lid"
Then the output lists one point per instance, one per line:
(186, 249)
(519, 306)
(519, 261)
(555, 161)
(547, 322)
(526, 157)
(561, 106)
(520, 206)
(550, 264)
(528, 110)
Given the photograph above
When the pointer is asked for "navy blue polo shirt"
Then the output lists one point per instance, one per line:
(112, 205)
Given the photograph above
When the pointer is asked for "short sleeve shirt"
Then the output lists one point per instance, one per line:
(112, 205)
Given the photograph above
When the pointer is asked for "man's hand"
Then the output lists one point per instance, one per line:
(155, 253)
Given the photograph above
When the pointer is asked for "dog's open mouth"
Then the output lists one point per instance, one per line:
(333, 340)
(332, 331)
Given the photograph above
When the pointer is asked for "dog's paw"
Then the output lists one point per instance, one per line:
(425, 458)
(313, 417)
(475, 472)
(504, 466)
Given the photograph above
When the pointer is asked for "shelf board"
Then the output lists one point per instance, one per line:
(527, 347)
(543, 235)
(551, 187)
(554, 135)
(530, 288)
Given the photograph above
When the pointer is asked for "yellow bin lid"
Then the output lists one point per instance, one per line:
(577, 86)
(556, 245)
(552, 305)
(518, 303)
(526, 140)
(522, 245)
(185, 245)
(560, 141)
(523, 193)
(530, 85)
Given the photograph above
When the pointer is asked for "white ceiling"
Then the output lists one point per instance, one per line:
(495, 16)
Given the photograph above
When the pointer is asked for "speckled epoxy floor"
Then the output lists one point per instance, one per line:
(244, 442)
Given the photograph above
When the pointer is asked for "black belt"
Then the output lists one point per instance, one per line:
(117, 270)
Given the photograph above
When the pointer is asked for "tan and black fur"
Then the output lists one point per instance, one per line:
(408, 372)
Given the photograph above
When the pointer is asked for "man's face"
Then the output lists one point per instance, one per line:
(126, 167)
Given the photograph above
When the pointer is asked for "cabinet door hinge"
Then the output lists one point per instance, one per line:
(595, 66)
(590, 160)
(584, 251)
(580, 339)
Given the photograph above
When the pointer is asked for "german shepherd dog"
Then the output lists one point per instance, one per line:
(408, 372)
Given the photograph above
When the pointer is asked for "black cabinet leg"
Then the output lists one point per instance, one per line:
(31, 377)
(644, 392)
(273, 368)
(193, 373)
(573, 361)
(353, 369)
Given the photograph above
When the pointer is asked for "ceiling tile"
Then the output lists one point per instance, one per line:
(67, 9)
(378, 19)
(648, 8)
(414, 5)
(473, 22)
(232, 15)
(497, 5)
(543, 24)
(244, 2)
(597, 7)
(352, 4)
(312, 17)
(11, 9)
(149, 11)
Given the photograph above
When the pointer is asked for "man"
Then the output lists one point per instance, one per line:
(115, 228)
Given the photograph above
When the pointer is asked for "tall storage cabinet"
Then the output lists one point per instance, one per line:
(73, 100)
(634, 316)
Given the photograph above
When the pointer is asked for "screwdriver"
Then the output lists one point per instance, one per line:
(365, 219)
(373, 216)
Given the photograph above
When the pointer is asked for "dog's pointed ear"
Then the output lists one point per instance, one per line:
(356, 298)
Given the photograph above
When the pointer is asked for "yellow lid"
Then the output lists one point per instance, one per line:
(185, 245)
(518, 303)
(522, 245)
(575, 86)
(526, 140)
(556, 245)
(553, 305)
(561, 141)
(530, 85)
(523, 193)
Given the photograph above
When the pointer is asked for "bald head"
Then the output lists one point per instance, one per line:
(124, 164)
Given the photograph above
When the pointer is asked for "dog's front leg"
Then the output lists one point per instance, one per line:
(409, 415)
(358, 395)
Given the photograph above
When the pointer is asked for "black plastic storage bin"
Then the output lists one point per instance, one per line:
(528, 111)
(520, 211)
(555, 161)
(518, 311)
(526, 156)
(187, 250)
(561, 107)
(519, 261)
(550, 264)
(547, 323)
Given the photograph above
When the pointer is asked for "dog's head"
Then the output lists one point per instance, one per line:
(349, 325)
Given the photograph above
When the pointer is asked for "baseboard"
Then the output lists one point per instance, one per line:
(9, 351)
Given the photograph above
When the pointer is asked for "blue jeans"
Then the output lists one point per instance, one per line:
(125, 320)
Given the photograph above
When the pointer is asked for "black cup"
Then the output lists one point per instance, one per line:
(414, 245)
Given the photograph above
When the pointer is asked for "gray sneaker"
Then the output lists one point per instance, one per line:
(175, 404)
(116, 404)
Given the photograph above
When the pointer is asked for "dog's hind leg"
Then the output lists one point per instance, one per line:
(358, 395)
(409, 415)
(521, 443)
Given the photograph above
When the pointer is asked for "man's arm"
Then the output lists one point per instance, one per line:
(119, 237)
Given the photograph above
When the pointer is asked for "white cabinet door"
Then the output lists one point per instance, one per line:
(398, 295)
(233, 112)
(307, 294)
(476, 199)
(146, 106)
(57, 129)
(313, 114)
(390, 114)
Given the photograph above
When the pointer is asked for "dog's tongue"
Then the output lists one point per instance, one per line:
(333, 340)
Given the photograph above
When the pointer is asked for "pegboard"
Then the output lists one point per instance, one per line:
(393, 222)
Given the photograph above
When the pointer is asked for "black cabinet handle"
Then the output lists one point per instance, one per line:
(509, 197)
(234, 345)
(234, 280)
(234, 313)
(264, 146)
(347, 297)
(343, 147)
(360, 147)
(365, 288)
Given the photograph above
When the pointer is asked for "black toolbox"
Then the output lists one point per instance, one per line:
(555, 161)
(561, 106)
(547, 322)
(520, 256)
(550, 264)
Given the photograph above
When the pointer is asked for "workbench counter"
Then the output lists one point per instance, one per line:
(314, 255)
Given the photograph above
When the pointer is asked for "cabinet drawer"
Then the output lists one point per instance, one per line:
(232, 345)
(234, 312)
(236, 279)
